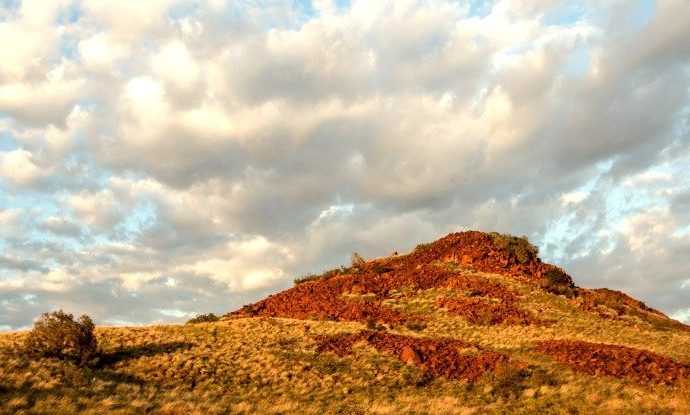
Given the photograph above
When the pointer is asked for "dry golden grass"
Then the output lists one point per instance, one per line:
(261, 365)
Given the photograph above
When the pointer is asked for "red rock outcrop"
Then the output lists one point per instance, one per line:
(418, 270)
(618, 361)
(435, 266)
(448, 358)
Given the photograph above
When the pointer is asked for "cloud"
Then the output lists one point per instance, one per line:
(97, 210)
(171, 154)
(61, 226)
(18, 166)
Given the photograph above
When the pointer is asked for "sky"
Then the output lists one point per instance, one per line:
(164, 158)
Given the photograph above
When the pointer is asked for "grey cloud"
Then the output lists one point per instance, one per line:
(22, 264)
(60, 226)
(106, 301)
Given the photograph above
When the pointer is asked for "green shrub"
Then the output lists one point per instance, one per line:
(520, 247)
(559, 283)
(203, 318)
(325, 275)
(556, 276)
(373, 325)
(306, 278)
(508, 380)
(381, 269)
(415, 325)
(422, 246)
(58, 334)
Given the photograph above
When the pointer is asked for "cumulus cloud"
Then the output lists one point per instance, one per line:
(18, 166)
(175, 157)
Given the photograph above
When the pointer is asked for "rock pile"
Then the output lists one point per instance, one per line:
(487, 302)
(610, 360)
(448, 358)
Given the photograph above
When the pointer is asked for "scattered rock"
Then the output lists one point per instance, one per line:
(599, 359)
(410, 355)
(448, 358)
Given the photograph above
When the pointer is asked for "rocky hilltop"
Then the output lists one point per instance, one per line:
(457, 269)
(472, 323)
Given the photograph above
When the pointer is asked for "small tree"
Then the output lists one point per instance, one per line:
(556, 281)
(357, 261)
(520, 247)
(203, 318)
(58, 334)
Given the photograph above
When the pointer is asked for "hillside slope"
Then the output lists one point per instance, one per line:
(472, 323)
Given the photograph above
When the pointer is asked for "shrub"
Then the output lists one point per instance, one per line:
(58, 334)
(520, 247)
(203, 318)
(373, 325)
(558, 282)
(508, 380)
(415, 325)
(314, 277)
(556, 276)
(381, 269)
(421, 247)
(357, 260)
(306, 278)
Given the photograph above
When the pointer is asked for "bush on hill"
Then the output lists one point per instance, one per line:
(58, 334)
(357, 261)
(520, 247)
(325, 275)
(559, 283)
(203, 318)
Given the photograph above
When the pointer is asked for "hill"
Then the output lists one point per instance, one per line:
(471, 323)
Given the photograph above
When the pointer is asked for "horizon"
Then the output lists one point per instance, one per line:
(171, 158)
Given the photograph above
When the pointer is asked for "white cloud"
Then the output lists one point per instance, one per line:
(27, 51)
(175, 64)
(100, 52)
(572, 197)
(99, 210)
(18, 166)
(40, 104)
(243, 265)
(128, 18)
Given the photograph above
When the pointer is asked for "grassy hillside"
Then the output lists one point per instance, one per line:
(458, 326)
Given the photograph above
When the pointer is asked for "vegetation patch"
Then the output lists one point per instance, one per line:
(203, 318)
(611, 304)
(58, 334)
(519, 247)
(478, 310)
(324, 275)
(556, 281)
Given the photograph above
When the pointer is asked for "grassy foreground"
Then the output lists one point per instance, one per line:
(271, 365)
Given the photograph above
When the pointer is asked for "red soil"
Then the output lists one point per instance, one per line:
(322, 298)
(618, 361)
(440, 357)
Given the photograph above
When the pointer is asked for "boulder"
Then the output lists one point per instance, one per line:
(410, 355)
